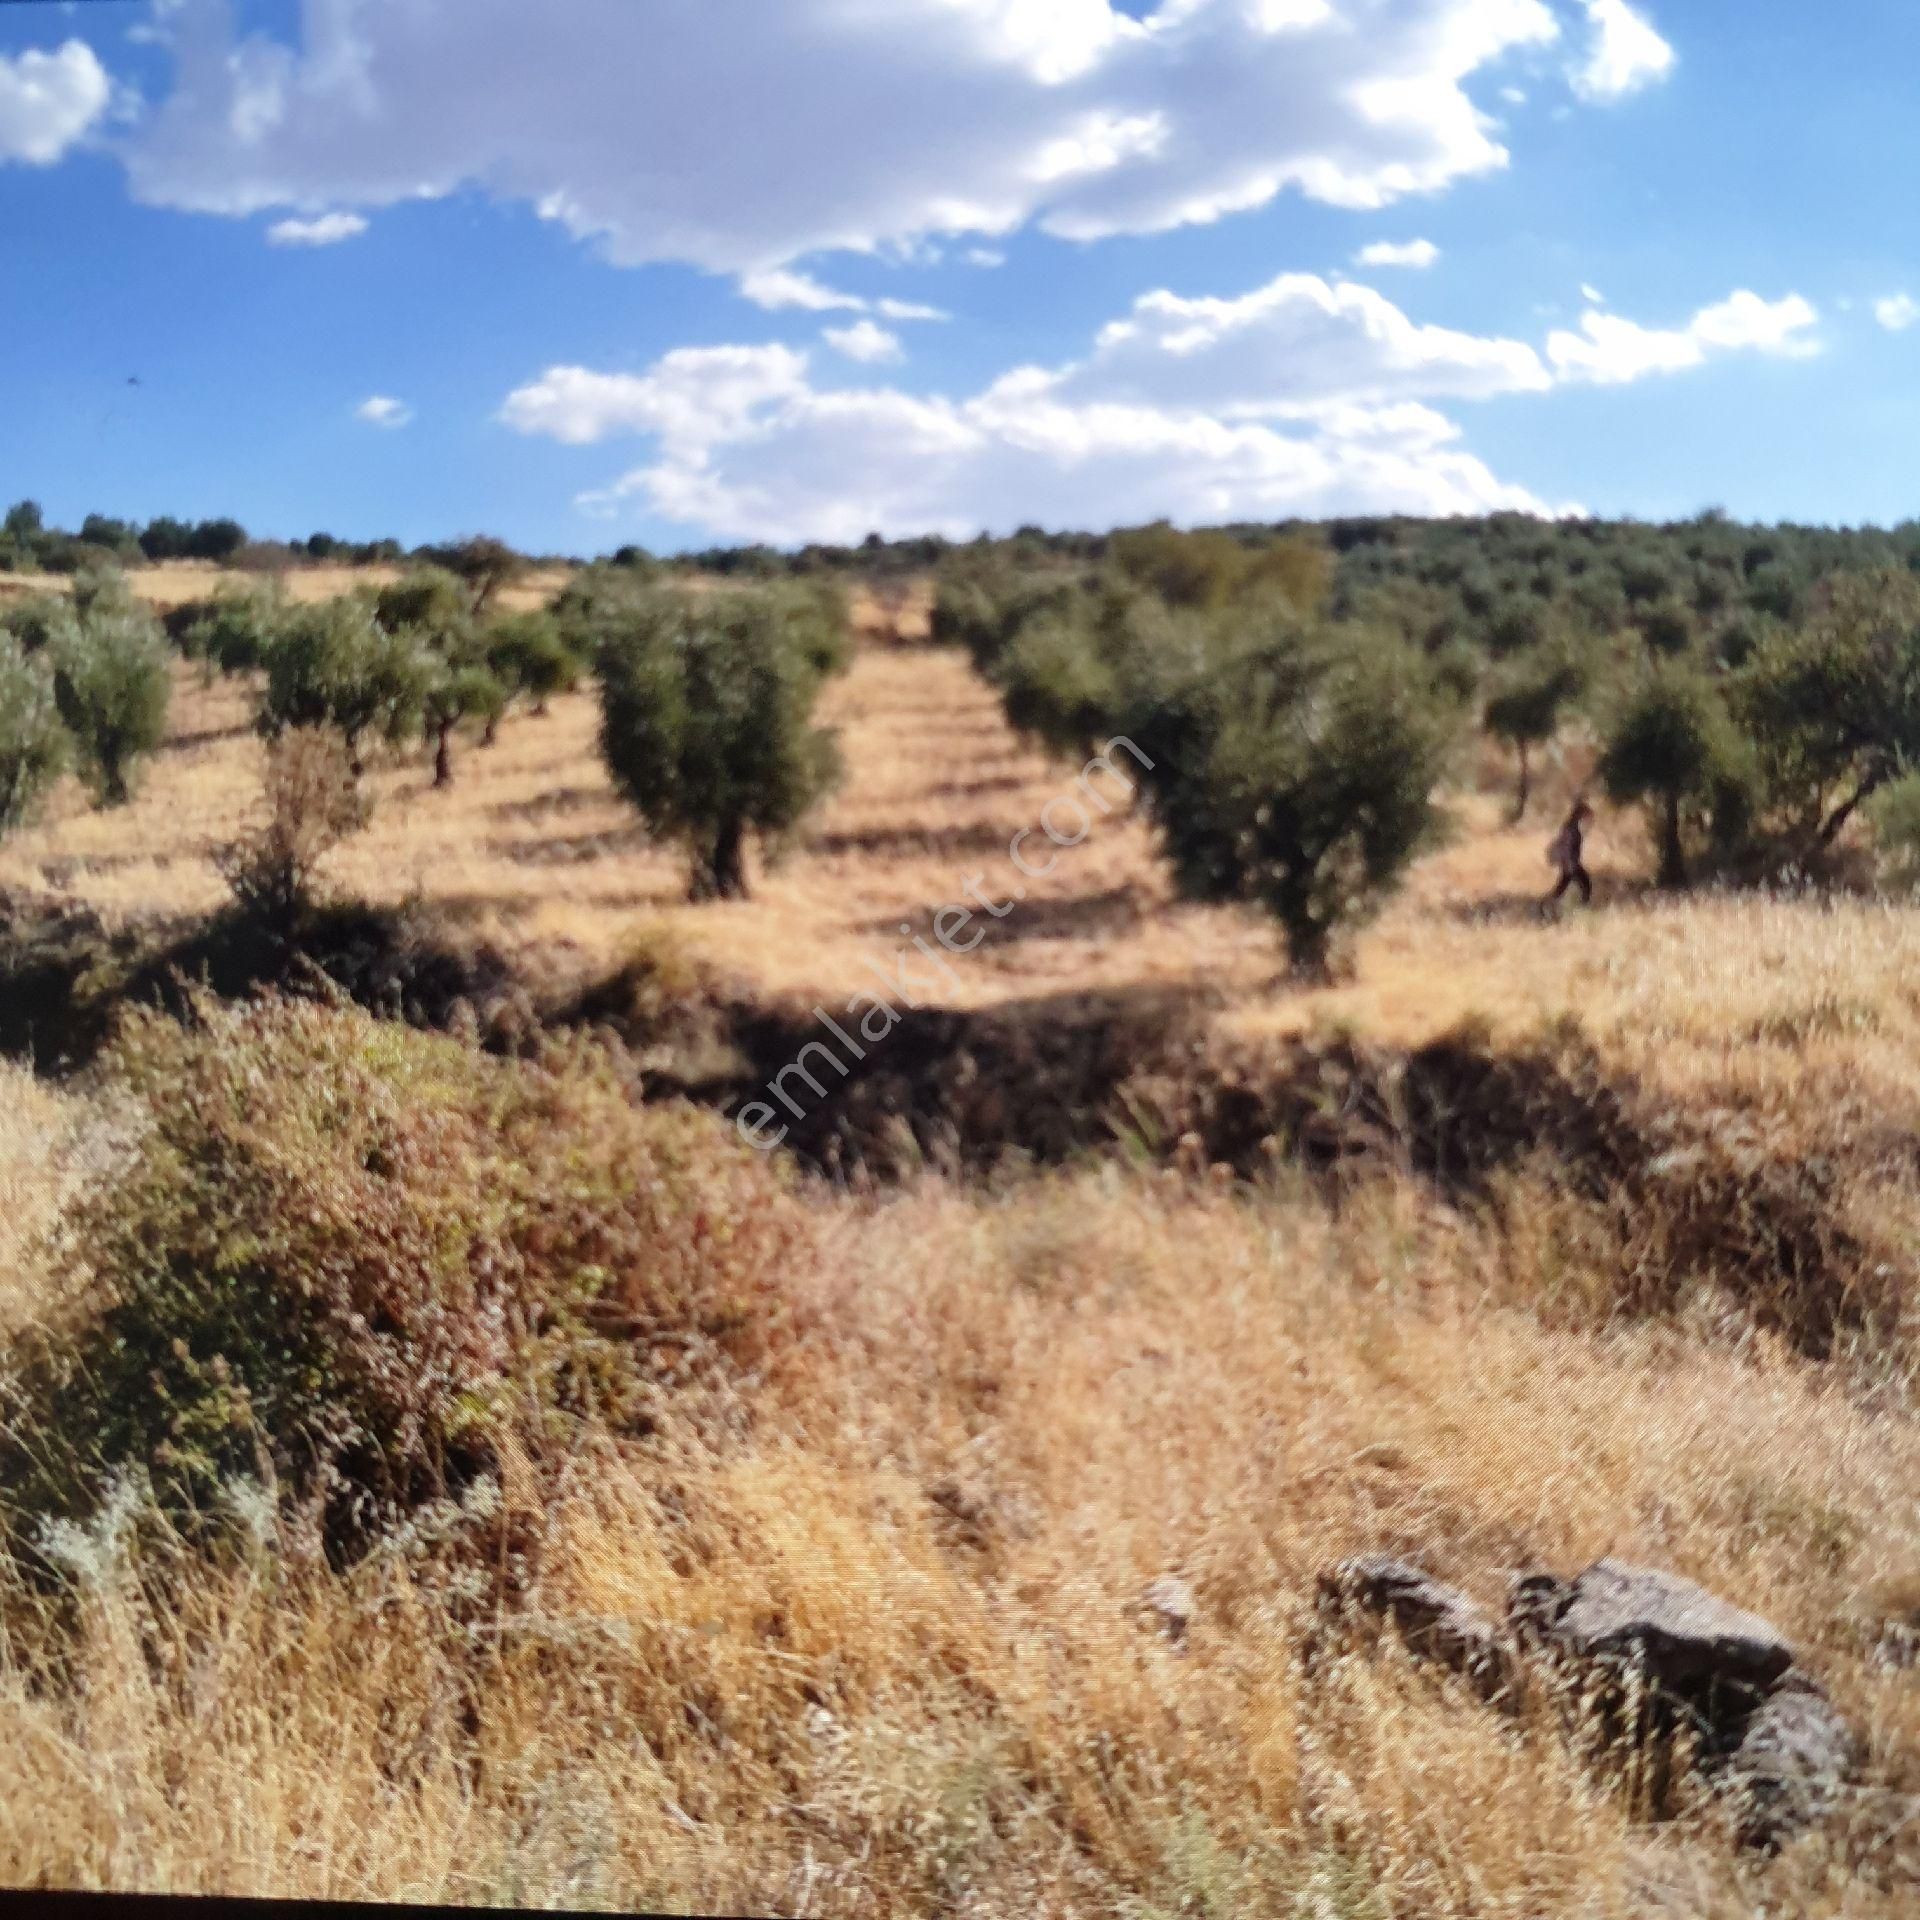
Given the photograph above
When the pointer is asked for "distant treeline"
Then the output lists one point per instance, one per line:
(29, 545)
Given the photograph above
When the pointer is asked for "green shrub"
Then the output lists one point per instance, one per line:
(113, 689)
(33, 743)
(360, 1264)
(706, 725)
(457, 692)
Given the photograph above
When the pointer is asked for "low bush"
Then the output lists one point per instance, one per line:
(363, 1266)
(313, 803)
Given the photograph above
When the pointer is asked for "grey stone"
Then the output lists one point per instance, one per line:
(1681, 1637)
(1792, 1763)
(1437, 1622)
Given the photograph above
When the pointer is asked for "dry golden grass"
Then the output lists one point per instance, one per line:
(890, 1656)
(887, 1654)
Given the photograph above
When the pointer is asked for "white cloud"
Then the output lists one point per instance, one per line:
(1592, 295)
(911, 310)
(1418, 254)
(776, 288)
(1610, 351)
(694, 397)
(985, 257)
(327, 231)
(1624, 54)
(666, 133)
(48, 101)
(865, 342)
(382, 410)
(1897, 312)
(1299, 343)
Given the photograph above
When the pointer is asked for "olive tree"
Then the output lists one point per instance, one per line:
(33, 742)
(456, 692)
(529, 654)
(113, 689)
(1834, 706)
(1674, 750)
(335, 665)
(706, 725)
(1525, 712)
(1295, 772)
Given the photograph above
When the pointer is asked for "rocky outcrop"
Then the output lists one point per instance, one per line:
(1652, 1658)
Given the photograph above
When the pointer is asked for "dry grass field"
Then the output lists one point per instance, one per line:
(884, 1649)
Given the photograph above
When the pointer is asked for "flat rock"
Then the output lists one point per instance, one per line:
(1683, 1637)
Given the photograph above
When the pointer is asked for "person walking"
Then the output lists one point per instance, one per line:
(1565, 856)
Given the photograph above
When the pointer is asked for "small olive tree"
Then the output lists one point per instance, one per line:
(706, 726)
(457, 691)
(1296, 773)
(335, 665)
(33, 743)
(1673, 749)
(529, 654)
(1526, 713)
(113, 688)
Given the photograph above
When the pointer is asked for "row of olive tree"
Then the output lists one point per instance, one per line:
(1288, 761)
(83, 682)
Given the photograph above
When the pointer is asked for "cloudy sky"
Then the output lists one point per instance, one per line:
(678, 271)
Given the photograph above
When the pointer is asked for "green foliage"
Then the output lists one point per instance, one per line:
(360, 1264)
(1526, 710)
(706, 705)
(1834, 707)
(335, 665)
(457, 692)
(37, 621)
(33, 742)
(1672, 747)
(529, 655)
(232, 631)
(113, 688)
(1296, 772)
(819, 621)
(1207, 571)
(1895, 813)
(430, 603)
(1058, 688)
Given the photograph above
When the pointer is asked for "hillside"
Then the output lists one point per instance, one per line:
(1596, 1239)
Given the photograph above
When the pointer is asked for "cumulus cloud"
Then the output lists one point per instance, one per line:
(382, 410)
(327, 231)
(1302, 398)
(48, 101)
(1897, 312)
(664, 133)
(1418, 254)
(1624, 53)
(1610, 350)
(1299, 342)
(865, 342)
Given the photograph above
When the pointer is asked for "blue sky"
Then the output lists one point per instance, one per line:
(668, 270)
